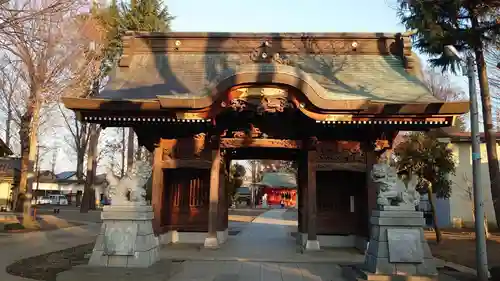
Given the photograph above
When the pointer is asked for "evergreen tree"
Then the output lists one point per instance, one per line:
(432, 161)
(140, 15)
(471, 26)
(146, 15)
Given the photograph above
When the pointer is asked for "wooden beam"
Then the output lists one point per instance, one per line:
(269, 143)
(186, 163)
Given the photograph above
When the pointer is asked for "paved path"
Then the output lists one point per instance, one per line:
(263, 251)
(266, 239)
(14, 247)
(254, 254)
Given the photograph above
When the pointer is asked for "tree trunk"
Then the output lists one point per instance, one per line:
(489, 130)
(130, 150)
(88, 200)
(434, 216)
(24, 136)
(9, 119)
(122, 171)
(79, 163)
(489, 133)
(138, 153)
(32, 155)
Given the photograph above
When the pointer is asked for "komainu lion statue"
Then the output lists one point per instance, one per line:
(391, 190)
(130, 188)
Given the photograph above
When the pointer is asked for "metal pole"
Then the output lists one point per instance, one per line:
(481, 256)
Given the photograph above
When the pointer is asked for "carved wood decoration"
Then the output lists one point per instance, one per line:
(252, 132)
(265, 53)
(340, 155)
(340, 152)
(269, 143)
(259, 100)
(186, 148)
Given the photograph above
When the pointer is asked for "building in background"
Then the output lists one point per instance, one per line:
(67, 184)
(10, 174)
(458, 210)
(278, 186)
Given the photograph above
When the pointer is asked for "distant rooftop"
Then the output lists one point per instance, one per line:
(458, 136)
(272, 179)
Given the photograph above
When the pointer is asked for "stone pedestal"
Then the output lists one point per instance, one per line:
(126, 238)
(397, 248)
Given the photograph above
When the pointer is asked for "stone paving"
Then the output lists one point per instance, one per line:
(263, 251)
(265, 239)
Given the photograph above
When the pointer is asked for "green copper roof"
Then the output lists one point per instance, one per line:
(380, 78)
(285, 180)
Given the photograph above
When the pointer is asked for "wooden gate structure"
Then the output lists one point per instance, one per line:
(331, 101)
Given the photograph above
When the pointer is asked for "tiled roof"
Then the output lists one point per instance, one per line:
(4, 149)
(286, 180)
(380, 78)
(10, 166)
(458, 136)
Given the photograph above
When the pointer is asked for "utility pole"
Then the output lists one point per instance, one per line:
(254, 181)
(481, 255)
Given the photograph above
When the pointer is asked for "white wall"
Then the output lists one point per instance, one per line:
(45, 186)
(461, 205)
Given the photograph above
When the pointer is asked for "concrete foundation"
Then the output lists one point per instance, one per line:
(174, 237)
(337, 241)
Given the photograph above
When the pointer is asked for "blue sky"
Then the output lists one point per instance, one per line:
(284, 16)
(289, 16)
(279, 16)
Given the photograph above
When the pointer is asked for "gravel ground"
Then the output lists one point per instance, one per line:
(47, 266)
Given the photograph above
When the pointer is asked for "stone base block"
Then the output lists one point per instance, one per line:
(352, 273)
(126, 238)
(312, 245)
(397, 246)
(211, 243)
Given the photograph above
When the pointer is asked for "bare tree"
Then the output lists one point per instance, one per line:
(441, 87)
(79, 138)
(9, 85)
(51, 58)
(16, 12)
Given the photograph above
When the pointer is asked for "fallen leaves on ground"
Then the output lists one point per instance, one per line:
(459, 246)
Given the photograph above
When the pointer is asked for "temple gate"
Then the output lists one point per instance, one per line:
(332, 102)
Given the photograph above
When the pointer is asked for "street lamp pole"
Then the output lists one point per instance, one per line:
(481, 255)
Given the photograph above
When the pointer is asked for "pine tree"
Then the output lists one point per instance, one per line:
(146, 15)
(471, 26)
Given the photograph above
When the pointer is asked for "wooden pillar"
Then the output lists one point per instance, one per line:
(312, 243)
(302, 184)
(371, 190)
(211, 240)
(158, 189)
